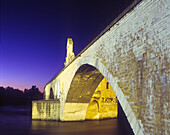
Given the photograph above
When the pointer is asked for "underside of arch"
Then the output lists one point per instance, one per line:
(84, 83)
(90, 96)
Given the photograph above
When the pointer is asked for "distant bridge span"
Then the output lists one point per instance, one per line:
(133, 55)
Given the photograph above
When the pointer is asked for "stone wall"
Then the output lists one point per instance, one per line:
(46, 110)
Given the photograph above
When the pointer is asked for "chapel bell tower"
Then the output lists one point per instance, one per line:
(70, 55)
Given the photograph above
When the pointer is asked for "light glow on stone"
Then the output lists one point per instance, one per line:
(103, 103)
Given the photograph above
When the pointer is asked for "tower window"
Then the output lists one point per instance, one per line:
(107, 85)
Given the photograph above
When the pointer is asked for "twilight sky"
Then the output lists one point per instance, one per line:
(34, 33)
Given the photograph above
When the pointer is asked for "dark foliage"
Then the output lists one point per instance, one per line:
(11, 96)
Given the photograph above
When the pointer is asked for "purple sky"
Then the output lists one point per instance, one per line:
(34, 33)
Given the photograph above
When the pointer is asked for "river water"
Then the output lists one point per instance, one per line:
(16, 120)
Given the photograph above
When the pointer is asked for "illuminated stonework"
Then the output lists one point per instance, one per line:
(103, 103)
(70, 53)
(46, 110)
(132, 53)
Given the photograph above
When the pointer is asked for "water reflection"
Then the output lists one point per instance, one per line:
(17, 121)
(104, 127)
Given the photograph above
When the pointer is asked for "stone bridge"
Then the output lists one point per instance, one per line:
(132, 54)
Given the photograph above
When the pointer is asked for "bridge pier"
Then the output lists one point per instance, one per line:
(46, 110)
(74, 111)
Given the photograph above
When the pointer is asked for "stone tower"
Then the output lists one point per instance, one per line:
(70, 55)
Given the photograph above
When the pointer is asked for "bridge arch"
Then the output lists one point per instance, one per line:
(51, 93)
(79, 102)
(93, 110)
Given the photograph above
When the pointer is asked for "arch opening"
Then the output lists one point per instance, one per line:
(90, 96)
(51, 94)
(92, 111)
(83, 85)
(82, 88)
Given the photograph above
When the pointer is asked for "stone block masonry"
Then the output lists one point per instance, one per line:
(46, 110)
